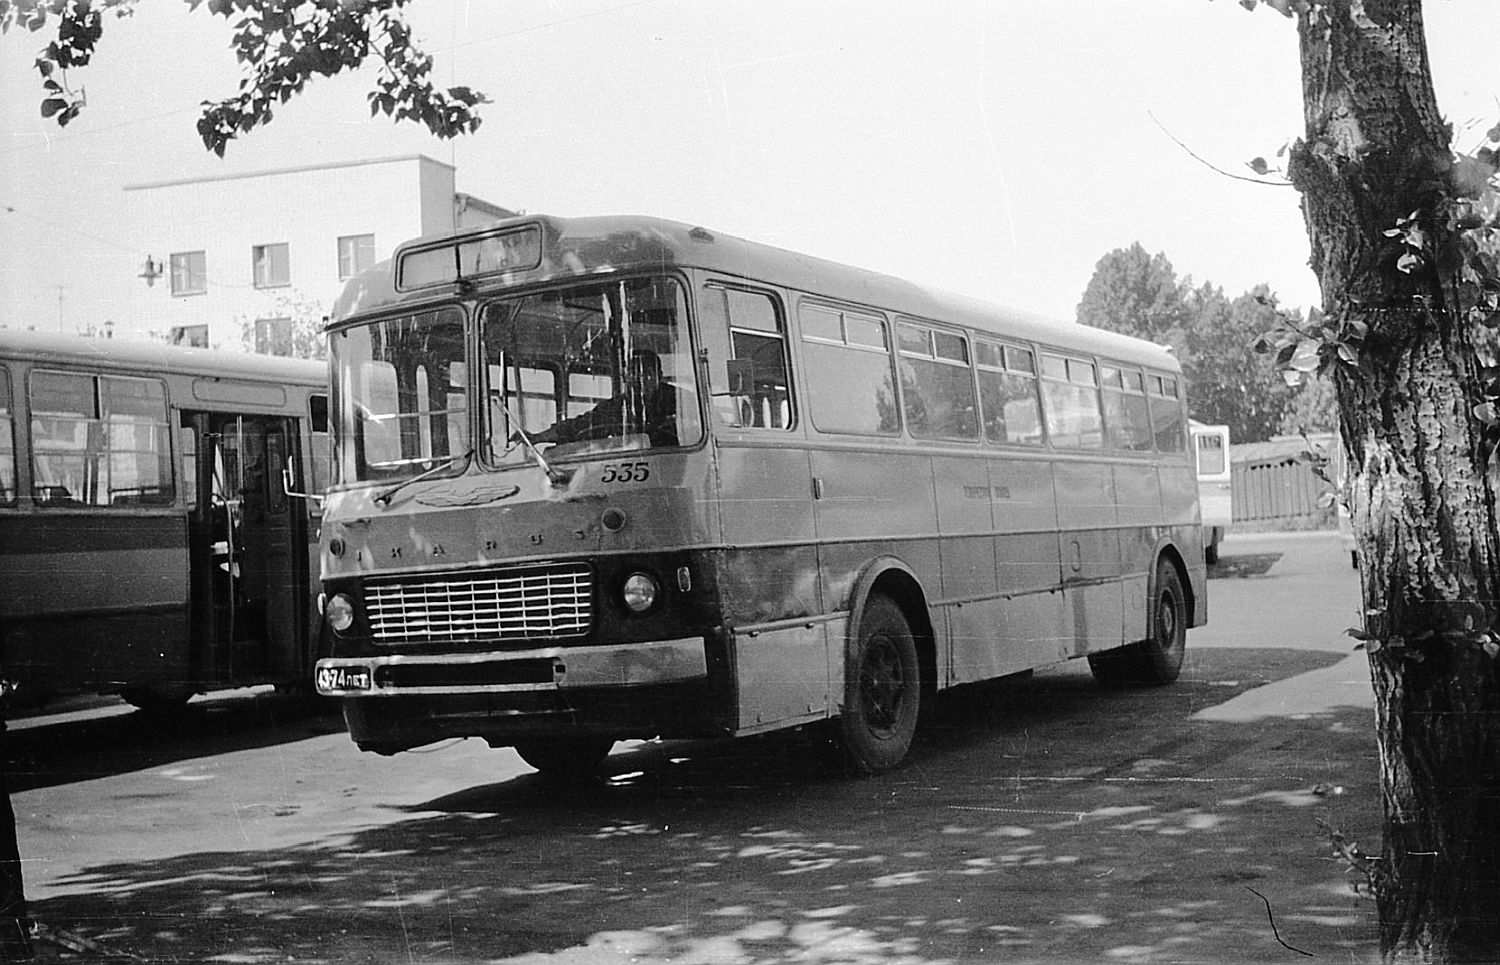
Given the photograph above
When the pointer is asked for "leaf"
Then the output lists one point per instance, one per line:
(1492, 648)
(1259, 165)
(1305, 357)
(53, 105)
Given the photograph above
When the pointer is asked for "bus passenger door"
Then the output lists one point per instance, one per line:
(247, 576)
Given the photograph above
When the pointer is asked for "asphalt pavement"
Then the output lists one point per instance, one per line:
(1037, 820)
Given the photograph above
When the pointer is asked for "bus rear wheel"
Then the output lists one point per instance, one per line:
(566, 758)
(1158, 658)
(882, 690)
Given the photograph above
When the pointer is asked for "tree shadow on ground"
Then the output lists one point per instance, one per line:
(59, 753)
(1036, 820)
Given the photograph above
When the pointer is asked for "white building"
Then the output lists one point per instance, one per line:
(264, 248)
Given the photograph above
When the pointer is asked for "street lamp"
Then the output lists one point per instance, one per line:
(151, 271)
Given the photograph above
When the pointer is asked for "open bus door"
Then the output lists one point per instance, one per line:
(247, 539)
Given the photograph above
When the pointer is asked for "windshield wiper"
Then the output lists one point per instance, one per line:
(384, 498)
(554, 475)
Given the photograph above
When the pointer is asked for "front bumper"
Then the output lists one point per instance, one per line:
(514, 671)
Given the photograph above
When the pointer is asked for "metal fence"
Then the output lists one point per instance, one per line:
(1270, 482)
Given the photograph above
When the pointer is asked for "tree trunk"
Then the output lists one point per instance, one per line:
(1376, 151)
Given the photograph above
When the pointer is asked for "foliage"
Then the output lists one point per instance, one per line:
(1312, 409)
(1139, 294)
(1226, 384)
(1466, 196)
(282, 44)
(293, 328)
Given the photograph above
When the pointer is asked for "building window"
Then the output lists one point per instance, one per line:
(273, 336)
(272, 265)
(189, 273)
(356, 253)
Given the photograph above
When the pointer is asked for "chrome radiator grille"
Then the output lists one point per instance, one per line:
(516, 604)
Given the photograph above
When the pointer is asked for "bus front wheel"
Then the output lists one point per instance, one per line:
(882, 690)
(1158, 658)
(566, 758)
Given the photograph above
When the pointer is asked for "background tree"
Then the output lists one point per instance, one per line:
(294, 328)
(282, 44)
(1397, 224)
(1139, 294)
(1313, 408)
(1227, 382)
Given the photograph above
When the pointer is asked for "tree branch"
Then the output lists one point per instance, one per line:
(1210, 165)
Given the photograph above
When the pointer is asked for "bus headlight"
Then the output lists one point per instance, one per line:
(339, 612)
(639, 592)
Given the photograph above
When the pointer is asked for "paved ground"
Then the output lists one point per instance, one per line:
(1037, 821)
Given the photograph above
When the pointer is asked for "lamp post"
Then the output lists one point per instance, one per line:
(151, 271)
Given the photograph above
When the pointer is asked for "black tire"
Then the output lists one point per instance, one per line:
(1157, 659)
(882, 690)
(566, 758)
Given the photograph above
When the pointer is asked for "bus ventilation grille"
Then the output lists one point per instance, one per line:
(515, 604)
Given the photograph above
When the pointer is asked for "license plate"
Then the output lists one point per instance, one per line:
(343, 678)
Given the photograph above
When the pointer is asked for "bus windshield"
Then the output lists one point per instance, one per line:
(591, 369)
(402, 389)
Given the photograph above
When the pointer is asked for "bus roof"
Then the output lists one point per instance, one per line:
(158, 357)
(592, 246)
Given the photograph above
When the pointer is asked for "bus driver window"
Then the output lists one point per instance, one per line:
(752, 389)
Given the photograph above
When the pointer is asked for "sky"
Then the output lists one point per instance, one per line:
(996, 148)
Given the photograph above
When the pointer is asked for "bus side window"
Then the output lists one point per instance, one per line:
(750, 387)
(1126, 414)
(1008, 394)
(1168, 420)
(1070, 401)
(936, 383)
(7, 444)
(853, 388)
(100, 441)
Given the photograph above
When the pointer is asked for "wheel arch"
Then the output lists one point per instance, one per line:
(1170, 555)
(892, 578)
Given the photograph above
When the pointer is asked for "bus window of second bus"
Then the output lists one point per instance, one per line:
(7, 446)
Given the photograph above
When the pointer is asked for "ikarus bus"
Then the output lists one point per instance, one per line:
(617, 477)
